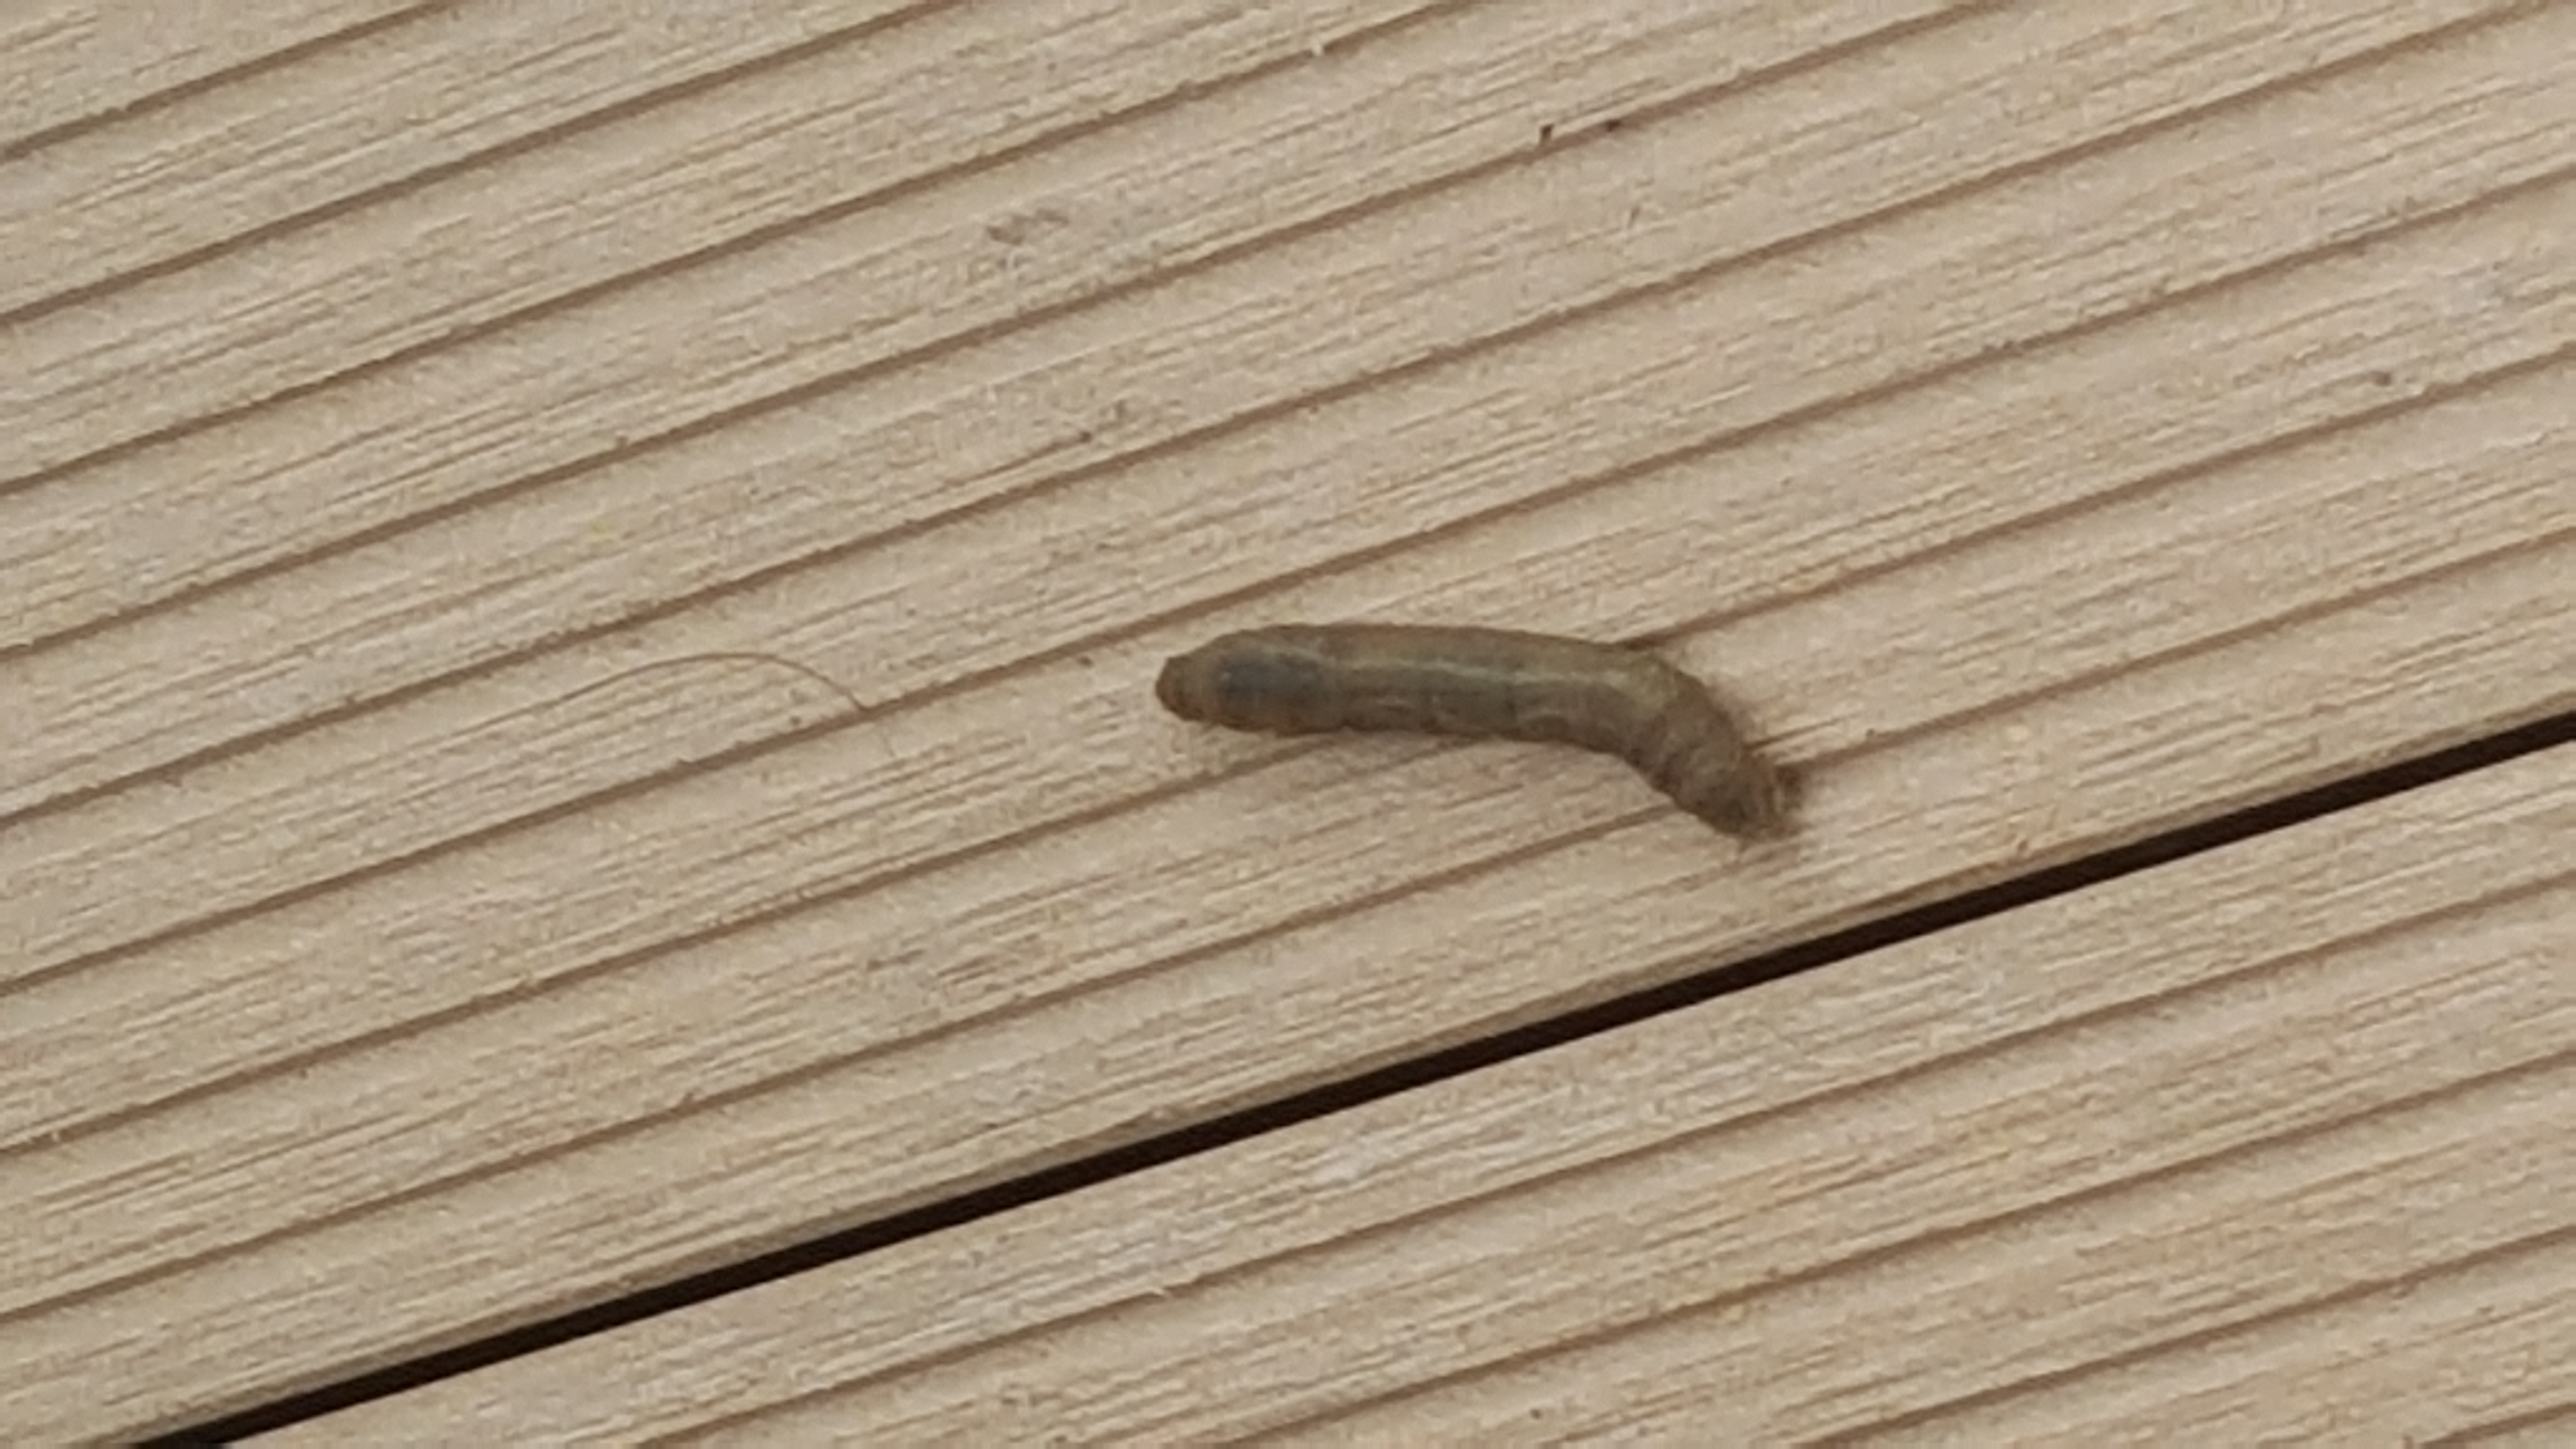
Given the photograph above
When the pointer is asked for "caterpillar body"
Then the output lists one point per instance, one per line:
(1295, 679)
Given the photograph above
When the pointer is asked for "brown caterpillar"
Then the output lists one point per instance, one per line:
(1297, 679)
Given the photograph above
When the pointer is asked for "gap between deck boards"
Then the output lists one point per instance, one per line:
(1225, 1130)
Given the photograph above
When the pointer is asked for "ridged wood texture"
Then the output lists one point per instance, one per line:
(426, 912)
(2269, 1146)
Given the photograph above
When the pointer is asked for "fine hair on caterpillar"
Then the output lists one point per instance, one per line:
(1294, 679)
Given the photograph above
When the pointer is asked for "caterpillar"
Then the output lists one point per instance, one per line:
(1295, 679)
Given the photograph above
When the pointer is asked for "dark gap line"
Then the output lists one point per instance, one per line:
(1359, 1090)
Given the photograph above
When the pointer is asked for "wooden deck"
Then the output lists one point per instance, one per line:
(589, 855)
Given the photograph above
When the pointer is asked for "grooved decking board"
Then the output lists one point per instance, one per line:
(577, 665)
(2265, 1145)
(376, 118)
(68, 65)
(1894, 252)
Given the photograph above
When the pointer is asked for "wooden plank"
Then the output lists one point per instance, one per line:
(867, 445)
(330, 125)
(2048, 453)
(646, 193)
(797, 231)
(889, 1047)
(2266, 1142)
(895, 622)
(2391, 490)
(66, 64)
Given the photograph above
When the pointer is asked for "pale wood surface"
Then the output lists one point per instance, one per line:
(77, 65)
(2196, 1152)
(2058, 424)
